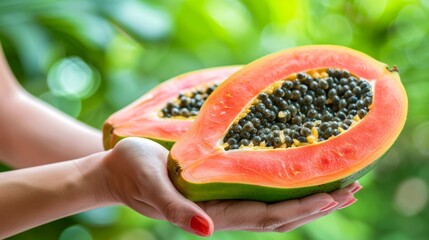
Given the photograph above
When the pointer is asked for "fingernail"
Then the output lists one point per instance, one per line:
(200, 226)
(350, 202)
(356, 189)
(329, 206)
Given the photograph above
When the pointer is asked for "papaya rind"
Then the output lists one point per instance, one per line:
(165, 143)
(110, 139)
(198, 192)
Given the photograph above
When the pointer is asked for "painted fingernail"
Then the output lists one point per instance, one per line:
(329, 206)
(200, 226)
(356, 189)
(350, 202)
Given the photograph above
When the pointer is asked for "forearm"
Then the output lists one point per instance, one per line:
(33, 130)
(34, 196)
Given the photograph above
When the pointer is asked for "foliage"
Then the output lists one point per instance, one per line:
(90, 58)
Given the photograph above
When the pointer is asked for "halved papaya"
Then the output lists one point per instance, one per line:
(159, 114)
(301, 121)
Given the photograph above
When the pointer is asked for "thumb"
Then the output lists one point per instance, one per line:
(162, 195)
(185, 214)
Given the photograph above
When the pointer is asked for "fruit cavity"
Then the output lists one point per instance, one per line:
(305, 108)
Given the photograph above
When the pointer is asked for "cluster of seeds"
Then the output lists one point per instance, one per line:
(303, 109)
(187, 104)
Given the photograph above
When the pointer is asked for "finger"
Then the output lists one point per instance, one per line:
(146, 209)
(182, 212)
(177, 209)
(296, 224)
(344, 197)
(352, 188)
(244, 215)
(293, 225)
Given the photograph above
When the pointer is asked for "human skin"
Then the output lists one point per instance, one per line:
(34, 133)
(65, 171)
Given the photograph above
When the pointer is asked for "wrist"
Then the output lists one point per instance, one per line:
(95, 176)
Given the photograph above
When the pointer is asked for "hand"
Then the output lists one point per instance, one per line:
(137, 176)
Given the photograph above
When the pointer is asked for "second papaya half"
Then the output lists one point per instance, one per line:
(301, 121)
(166, 112)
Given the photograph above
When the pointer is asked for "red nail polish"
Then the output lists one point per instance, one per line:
(350, 202)
(200, 226)
(356, 189)
(329, 206)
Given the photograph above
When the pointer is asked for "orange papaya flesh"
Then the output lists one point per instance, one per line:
(144, 117)
(202, 169)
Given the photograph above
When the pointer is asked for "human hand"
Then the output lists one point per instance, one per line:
(136, 175)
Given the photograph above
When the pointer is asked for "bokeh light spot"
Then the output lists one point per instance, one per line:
(273, 38)
(99, 217)
(72, 76)
(231, 15)
(337, 25)
(123, 53)
(75, 232)
(411, 196)
(421, 138)
(410, 22)
(375, 10)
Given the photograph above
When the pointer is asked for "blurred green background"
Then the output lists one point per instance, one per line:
(90, 58)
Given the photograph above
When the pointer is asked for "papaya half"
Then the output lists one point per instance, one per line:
(166, 112)
(301, 121)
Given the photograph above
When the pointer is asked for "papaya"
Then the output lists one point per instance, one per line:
(166, 112)
(300, 121)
